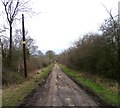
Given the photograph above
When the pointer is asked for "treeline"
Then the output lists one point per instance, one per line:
(12, 48)
(13, 68)
(97, 53)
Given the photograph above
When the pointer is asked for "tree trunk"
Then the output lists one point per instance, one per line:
(119, 60)
(118, 55)
(10, 46)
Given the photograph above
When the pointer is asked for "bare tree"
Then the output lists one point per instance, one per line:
(12, 8)
(113, 28)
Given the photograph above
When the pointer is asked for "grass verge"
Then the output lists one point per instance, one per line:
(101, 91)
(14, 94)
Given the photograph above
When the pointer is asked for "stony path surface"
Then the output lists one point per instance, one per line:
(60, 90)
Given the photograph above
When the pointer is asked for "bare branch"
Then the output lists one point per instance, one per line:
(15, 10)
(109, 12)
(12, 8)
(6, 11)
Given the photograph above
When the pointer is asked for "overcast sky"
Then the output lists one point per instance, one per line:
(61, 22)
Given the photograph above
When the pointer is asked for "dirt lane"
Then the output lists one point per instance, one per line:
(60, 90)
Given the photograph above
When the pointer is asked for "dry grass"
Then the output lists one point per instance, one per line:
(15, 93)
(112, 85)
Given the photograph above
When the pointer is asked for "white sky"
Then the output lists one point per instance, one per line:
(64, 21)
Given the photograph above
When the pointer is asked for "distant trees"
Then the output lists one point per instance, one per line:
(96, 53)
(51, 55)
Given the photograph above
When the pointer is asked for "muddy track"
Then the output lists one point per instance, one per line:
(59, 90)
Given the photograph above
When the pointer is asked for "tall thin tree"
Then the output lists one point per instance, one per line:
(12, 8)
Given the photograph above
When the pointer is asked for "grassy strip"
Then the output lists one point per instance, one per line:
(13, 95)
(103, 92)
